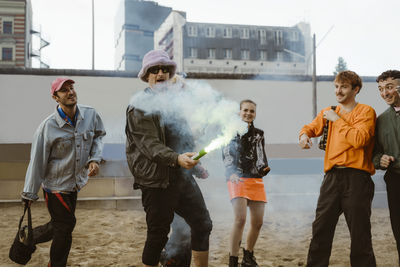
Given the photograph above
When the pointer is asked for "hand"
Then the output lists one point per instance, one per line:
(331, 115)
(234, 178)
(266, 170)
(305, 141)
(200, 172)
(93, 168)
(185, 160)
(386, 160)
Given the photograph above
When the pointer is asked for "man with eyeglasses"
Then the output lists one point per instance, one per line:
(386, 154)
(66, 151)
(158, 154)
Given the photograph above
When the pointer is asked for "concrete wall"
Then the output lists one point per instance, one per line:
(283, 106)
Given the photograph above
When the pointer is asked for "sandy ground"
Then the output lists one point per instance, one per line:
(116, 237)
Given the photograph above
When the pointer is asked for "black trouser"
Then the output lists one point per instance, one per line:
(178, 250)
(62, 211)
(392, 180)
(184, 197)
(349, 191)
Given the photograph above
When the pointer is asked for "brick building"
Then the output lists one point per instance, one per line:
(15, 33)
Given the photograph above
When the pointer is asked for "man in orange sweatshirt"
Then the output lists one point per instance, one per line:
(347, 186)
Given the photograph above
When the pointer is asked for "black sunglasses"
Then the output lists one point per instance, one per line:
(156, 69)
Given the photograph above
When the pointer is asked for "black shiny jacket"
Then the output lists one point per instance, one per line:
(153, 146)
(245, 155)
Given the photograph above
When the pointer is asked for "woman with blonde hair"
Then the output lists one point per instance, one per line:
(246, 163)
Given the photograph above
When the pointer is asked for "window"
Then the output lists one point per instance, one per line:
(278, 37)
(211, 53)
(262, 36)
(245, 33)
(192, 31)
(245, 54)
(7, 53)
(193, 52)
(279, 56)
(210, 32)
(131, 57)
(148, 33)
(228, 53)
(7, 27)
(295, 36)
(263, 55)
(228, 33)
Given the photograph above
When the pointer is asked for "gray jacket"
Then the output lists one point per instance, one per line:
(387, 139)
(60, 153)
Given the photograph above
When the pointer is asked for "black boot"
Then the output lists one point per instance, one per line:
(233, 261)
(248, 259)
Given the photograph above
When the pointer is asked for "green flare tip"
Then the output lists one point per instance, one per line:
(199, 155)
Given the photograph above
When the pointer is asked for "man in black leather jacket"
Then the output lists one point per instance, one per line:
(158, 157)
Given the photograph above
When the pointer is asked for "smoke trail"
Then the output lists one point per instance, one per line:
(213, 119)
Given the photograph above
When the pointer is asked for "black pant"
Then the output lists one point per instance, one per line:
(178, 250)
(392, 180)
(62, 211)
(349, 191)
(184, 197)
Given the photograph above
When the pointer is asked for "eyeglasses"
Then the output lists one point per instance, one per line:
(156, 69)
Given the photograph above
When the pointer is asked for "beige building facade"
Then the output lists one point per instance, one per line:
(15, 33)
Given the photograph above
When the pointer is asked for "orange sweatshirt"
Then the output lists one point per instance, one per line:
(350, 138)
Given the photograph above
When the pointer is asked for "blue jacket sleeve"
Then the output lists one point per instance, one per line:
(37, 166)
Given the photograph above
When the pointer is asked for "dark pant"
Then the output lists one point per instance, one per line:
(178, 250)
(349, 191)
(392, 180)
(184, 197)
(62, 211)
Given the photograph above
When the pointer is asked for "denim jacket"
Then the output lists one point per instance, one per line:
(60, 153)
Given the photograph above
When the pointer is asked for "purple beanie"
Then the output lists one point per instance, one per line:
(156, 58)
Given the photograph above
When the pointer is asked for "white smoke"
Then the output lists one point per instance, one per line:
(213, 119)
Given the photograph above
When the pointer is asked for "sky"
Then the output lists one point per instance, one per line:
(364, 32)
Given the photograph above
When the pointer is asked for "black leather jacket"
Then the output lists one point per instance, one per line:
(245, 155)
(149, 159)
(153, 146)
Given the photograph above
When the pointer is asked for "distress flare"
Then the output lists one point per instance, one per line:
(216, 143)
(199, 155)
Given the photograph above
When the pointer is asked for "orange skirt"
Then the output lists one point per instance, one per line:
(250, 188)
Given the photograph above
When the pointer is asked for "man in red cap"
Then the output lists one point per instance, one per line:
(66, 149)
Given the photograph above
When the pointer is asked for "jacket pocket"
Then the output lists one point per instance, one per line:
(87, 140)
(143, 170)
(61, 148)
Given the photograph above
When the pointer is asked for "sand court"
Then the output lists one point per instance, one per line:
(110, 237)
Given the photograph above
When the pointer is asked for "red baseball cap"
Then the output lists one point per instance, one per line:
(58, 83)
